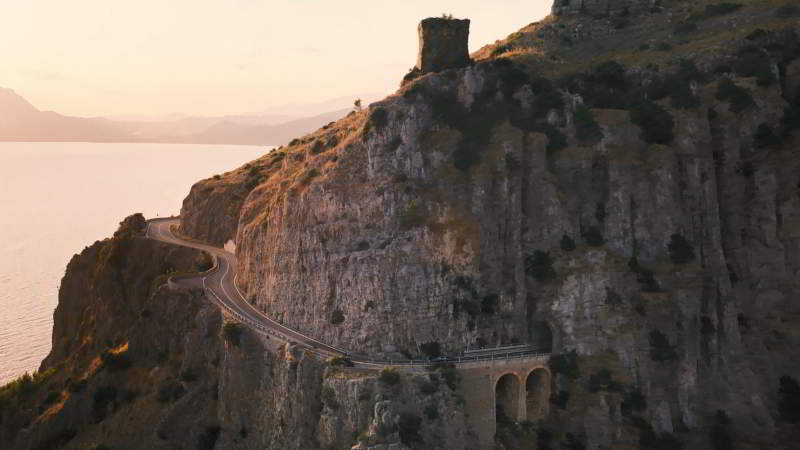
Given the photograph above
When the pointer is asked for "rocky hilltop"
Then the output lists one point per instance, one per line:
(617, 184)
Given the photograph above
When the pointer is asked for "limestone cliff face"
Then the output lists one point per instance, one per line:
(420, 221)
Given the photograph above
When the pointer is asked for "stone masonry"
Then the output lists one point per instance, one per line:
(443, 44)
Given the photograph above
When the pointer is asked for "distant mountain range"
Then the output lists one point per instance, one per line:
(21, 121)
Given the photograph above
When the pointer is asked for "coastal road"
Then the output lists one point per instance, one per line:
(220, 284)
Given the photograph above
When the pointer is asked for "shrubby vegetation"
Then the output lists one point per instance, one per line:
(565, 364)
(389, 377)
(660, 348)
(720, 435)
(567, 243)
(540, 266)
(656, 123)
(337, 317)
(603, 381)
(232, 332)
(738, 97)
(587, 129)
(789, 399)
(593, 236)
(680, 250)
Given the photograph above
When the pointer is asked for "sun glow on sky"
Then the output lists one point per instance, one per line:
(213, 57)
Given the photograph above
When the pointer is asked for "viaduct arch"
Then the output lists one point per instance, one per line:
(513, 390)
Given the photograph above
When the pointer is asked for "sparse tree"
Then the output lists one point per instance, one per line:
(357, 104)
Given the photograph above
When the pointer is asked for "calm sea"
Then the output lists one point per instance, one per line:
(57, 198)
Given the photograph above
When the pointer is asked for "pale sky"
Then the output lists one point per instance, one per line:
(214, 57)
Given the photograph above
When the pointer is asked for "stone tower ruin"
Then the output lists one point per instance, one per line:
(443, 44)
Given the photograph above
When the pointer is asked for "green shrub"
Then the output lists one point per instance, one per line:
(428, 387)
(789, 399)
(378, 118)
(719, 9)
(738, 97)
(686, 27)
(765, 137)
(232, 332)
(337, 317)
(540, 266)
(572, 442)
(680, 250)
(102, 398)
(660, 348)
(169, 391)
(329, 398)
(431, 349)
(556, 140)
(115, 362)
(544, 438)
(587, 129)
(720, 435)
(451, 377)
(317, 147)
(309, 175)
(650, 440)
(389, 377)
(602, 381)
(187, 375)
(788, 10)
(489, 304)
(412, 217)
(754, 63)
(645, 277)
(567, 243)
(431, 412)
(208, 438)
(633, 401)
(560, 399)
(656, 123)
(565, 364)
(340, 361)
(548, 98)
(409, 426)
(593, 237)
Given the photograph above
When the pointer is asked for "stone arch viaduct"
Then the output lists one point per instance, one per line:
(505, 389)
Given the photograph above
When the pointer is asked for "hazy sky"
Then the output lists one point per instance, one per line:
(211, 57)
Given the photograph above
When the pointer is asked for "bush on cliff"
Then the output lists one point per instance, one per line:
(409, 427)
(565, 364)
(656, 122)
(738, 97)
(789, 403)
(680, 250)
(567, 243)
(587, 129)
(232, 332)
(593, 237)
(337, 317)
(389, 377)
(540, 266)
(660, 348)
(431, 349)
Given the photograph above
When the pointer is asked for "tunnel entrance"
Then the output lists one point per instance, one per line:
(537, 394)
(541, 336)
(507, 398)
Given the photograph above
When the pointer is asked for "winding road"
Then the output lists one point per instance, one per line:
(219, 283)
